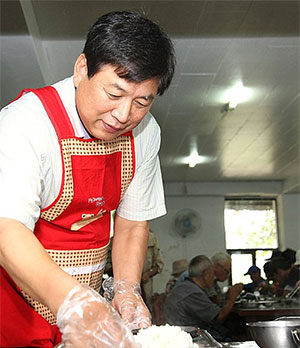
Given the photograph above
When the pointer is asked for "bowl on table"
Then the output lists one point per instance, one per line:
(276, 333)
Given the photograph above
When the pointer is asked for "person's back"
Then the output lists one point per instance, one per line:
(181, 309)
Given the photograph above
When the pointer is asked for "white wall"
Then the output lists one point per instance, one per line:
(208, 200)
(290, 215)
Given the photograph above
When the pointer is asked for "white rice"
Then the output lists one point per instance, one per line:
(165, 336)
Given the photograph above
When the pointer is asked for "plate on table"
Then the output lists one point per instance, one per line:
(254, 304)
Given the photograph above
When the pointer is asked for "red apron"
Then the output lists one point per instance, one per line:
(75, 228)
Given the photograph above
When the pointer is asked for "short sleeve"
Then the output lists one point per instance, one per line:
(20, 170)
(30, 163)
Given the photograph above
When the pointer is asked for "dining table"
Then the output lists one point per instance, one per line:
(269, 312)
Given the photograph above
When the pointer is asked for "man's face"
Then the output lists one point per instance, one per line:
(109, 105)
(255, 276)
(222, 270)
(281, 275)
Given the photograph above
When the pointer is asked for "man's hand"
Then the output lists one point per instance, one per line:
(130, 305)
(146, 277)
(234, 291)
(150, 273)
(86, 319)
(239, 287)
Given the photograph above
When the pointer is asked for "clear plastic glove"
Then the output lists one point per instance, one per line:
(86, 319)
(127, 300)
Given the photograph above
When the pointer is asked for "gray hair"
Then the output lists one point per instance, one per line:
(220, 258)
(198, 265)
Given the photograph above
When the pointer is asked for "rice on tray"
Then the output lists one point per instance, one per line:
(165, 336)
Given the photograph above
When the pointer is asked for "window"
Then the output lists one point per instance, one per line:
(251, 234)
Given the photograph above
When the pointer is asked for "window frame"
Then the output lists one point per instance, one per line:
(252, 251)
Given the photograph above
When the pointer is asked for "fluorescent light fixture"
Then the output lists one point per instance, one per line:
(236, 95)
(195, 159)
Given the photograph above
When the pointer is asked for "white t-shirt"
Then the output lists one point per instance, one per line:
(31, 167)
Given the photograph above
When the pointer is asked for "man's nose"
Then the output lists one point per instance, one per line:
(122, 110)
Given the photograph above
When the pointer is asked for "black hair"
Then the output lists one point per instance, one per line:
(289, 254)
(280, 263)
(138, 48)
(269, 271)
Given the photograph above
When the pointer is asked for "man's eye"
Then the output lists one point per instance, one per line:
(141, 104)
(113, 96)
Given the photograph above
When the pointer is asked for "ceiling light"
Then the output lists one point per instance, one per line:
(235, 95)
(195, 159)
(230, 106)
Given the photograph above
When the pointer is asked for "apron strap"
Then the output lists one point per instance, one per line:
(53, 105)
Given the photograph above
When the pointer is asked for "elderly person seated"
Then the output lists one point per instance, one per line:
(222, 269)
(188, 304)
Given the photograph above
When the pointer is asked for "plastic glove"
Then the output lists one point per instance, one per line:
(86, 319)
(126, 299)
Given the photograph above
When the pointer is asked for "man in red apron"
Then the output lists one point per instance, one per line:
(86, 146)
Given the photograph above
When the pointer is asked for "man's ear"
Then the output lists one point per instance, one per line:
(80, 69)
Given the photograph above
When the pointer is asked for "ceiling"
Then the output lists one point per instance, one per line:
(217, 44)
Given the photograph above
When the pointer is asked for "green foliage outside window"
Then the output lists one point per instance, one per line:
(253, 228)
(250, 233)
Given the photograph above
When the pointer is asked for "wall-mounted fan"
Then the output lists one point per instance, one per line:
(186, 222)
